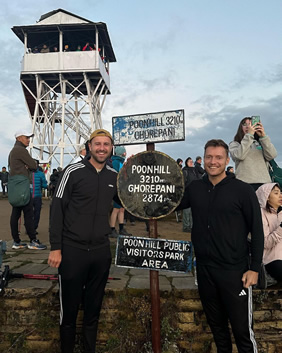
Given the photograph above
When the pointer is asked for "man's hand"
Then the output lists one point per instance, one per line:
(55, 258)
(249, 278)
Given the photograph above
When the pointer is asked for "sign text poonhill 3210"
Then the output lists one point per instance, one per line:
(149, 128)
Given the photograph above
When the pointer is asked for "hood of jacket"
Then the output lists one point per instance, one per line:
(263, 193)
(225, 180)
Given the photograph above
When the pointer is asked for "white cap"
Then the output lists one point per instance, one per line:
(23, 133)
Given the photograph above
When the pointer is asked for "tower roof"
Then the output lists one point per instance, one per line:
(62, 20)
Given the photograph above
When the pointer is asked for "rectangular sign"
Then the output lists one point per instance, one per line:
(153, 254)
(149, 128)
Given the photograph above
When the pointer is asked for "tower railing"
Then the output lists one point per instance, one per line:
(74, 61)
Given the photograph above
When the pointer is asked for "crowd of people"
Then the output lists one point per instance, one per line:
(47, 49)
(69, 48)
(223, 207)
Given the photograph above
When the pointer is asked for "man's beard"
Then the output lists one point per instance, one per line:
(97, 160)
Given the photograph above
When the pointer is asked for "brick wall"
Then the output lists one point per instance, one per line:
(29, 321)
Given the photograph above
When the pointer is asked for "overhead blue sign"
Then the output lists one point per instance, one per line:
(149, 128)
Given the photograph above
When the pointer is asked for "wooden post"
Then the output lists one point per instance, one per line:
(154, 287)
(142, 187)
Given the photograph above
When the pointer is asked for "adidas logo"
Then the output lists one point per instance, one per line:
(242, 293)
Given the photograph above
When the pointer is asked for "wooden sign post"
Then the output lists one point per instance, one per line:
(150, 184)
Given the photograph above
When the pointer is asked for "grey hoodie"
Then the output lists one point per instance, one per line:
(251, 159)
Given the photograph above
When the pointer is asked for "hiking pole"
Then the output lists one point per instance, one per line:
(30, 276)
(45, 277)
(7, 274)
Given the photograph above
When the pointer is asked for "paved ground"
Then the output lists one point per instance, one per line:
(35, 262)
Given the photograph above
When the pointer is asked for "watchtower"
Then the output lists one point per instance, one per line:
(65, 87)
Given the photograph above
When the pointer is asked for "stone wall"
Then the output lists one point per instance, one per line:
(29, 321)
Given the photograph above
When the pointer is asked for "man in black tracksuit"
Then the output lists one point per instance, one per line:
(79, 239)
(225, 210)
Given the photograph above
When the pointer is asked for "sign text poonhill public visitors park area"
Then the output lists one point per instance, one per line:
(153, 254)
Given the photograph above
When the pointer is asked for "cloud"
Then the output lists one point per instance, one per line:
(273, 75)
(223, 124)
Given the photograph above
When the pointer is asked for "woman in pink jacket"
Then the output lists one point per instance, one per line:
(270, 201)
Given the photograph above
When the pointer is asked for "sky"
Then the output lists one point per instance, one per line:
(218, 60)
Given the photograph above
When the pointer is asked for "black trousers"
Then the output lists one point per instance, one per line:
(274, 268)
(28, 221)
(83, 275)
(224, 300)
(36, 204)
(4, 187)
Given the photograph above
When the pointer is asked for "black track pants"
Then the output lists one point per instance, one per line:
(274, 268)
(28, 221)
(225, 299)
(82, 273)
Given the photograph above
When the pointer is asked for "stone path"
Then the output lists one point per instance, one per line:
(35, 262)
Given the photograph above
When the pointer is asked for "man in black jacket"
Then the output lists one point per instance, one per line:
(79, 239)
(225, 210)
(198, 166)
(4, 175)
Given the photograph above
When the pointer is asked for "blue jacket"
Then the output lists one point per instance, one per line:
(117, 162)
(39, 182)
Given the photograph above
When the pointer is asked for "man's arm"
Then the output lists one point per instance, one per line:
(252, 215)
(59, 203)
(28, 160)
(250, 277)
(43, 181)
(185, 202)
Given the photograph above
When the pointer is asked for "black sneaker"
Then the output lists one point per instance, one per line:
(114, 234)
(124, 232)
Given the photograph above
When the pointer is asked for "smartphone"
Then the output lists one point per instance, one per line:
(255, 119)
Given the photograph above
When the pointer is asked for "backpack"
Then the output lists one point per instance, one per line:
(19, 190)
(275, 172)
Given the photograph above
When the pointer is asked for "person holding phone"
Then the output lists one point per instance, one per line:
(251, 151)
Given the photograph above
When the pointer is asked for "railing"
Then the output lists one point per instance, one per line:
(60, 62)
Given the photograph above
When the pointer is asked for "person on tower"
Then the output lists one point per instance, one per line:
(87, 47)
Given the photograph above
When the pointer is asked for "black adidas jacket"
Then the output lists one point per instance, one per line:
(223, 216)
(81, 205)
